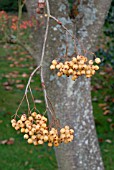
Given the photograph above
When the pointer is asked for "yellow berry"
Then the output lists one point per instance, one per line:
(26, 136)
(33, 137)
(37, 127)
(14, 124)
(40, 142)
(44, 125)
(54, 62)
(71, 137)
(44, 118)
(78, 57)
(96, 67)
(34, 114)
(50, 144)
(52, 67)
(74, 78)
(88, 76)
(83, 72)
(59, 74)
(19, 122)
(56, 144)
(97, 60)
(67, 127)
(70, 71)
(74, 59)
(71, 63)
(22, 130)
(13, 121)
(23, 117)
(45, 138)
(26, 130)
(33, 130)
(58, 66)
(88, 72)
(90, 62)
(31, 133)
(62, 136)
(66, 67)
(17, 127)
(30, 141)
(62, 130)
(35, 142)
(81, 62)
(22, 125)
(75, 66)
(78, 73)
(30, 118)
(38, 116)
(92, 72)
(71, 131)
(45, 132)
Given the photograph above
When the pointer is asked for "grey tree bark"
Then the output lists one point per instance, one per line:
(72, 100)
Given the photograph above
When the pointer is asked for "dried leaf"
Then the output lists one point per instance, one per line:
(18, 81)
(102, 105)
(109, 120)
(108, 141)
(9, 141)
(38, 101)
(106, 112)
(9, 88)
(1, 121)
(20, 86)
(24, 75)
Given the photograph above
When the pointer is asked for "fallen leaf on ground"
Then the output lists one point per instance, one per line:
(38, 101)
(108, 141)
(109, 120)
(106, 112)
(9, 141)
(18, 81)
(102, 104)
(1, 121)
(20, 86)
(8, 88)
(24, 75)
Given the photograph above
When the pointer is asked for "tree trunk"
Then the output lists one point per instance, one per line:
(72, 100)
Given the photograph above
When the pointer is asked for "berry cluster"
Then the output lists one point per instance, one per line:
(36, 131)
(78, 66)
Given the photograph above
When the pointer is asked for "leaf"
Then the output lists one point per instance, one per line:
(38, 101)
(108, 141)
(1, 121)
(106, 112)
(109, 120)
(20, 86)
(18, 81)
(100, 140)
(9, 88)
(24, 75)
(102, 105)
(11, 65)
(9, 141)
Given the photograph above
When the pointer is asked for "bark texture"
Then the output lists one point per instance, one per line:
(72, 100)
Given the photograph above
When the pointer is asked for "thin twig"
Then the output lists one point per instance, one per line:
(32, 97)
(19, 106)
(32, 74)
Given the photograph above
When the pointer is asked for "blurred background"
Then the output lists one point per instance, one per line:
(15, 67)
